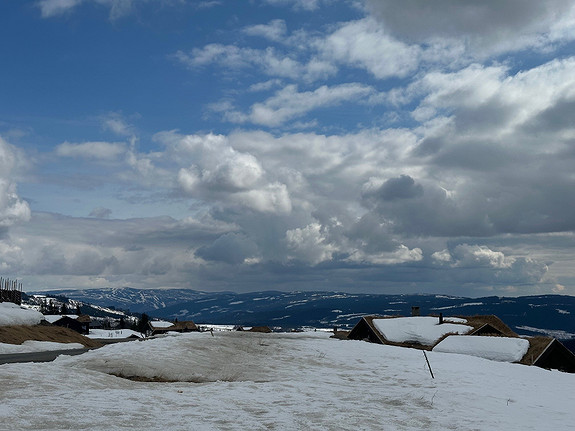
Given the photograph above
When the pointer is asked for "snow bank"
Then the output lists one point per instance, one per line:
(36, 346)
(424, 330)
(501, 349)
(12, 314)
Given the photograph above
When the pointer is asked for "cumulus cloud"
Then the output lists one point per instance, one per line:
(309, 244)
(489, 266)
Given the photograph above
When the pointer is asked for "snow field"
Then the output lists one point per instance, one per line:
(280, 382)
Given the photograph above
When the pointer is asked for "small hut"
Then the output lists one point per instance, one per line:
(80, 324)
(550, 353)
(162, 327)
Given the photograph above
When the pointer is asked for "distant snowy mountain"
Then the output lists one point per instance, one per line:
(135, 300)
(529, 315)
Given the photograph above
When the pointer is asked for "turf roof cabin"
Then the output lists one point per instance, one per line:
(80, 324)
(161, 327)
(547, 352)
(424, 332)
(427, 332)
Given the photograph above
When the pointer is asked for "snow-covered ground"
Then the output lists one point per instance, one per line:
(12, 314)
(113, 333)
(424, 330)
(241, 381)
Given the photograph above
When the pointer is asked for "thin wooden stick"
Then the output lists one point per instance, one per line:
(428, 366)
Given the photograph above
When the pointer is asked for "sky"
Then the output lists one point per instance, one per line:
(351, 145)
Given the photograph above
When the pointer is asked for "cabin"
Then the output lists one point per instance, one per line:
(427, 332)
(158, 327)
(260, 329)
(80, 324)
(550, 353)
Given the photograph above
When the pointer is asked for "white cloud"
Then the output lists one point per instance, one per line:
(289, 103)
(275, 30)
(401, 255)
(269, 61)
(309, 244)
(306, 5)
(50, 8)
(222, 174)
(115, 123)
(91, 150)
(118, 8)
(474, 255)
(272, 198)
(365, 44)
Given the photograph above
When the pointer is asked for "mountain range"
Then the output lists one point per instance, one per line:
(528, 315)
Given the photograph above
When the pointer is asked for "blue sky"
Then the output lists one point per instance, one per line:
(361, 145)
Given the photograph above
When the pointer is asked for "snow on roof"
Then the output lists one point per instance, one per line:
(424, 330)
(51, 318)
(454, 319)
(503, 349)
(160, 324)
(12, 314)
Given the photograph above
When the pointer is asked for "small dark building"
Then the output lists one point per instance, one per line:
(365, 330)
(81, 324)
(261, 329)
(157, 328)
(550, 353)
